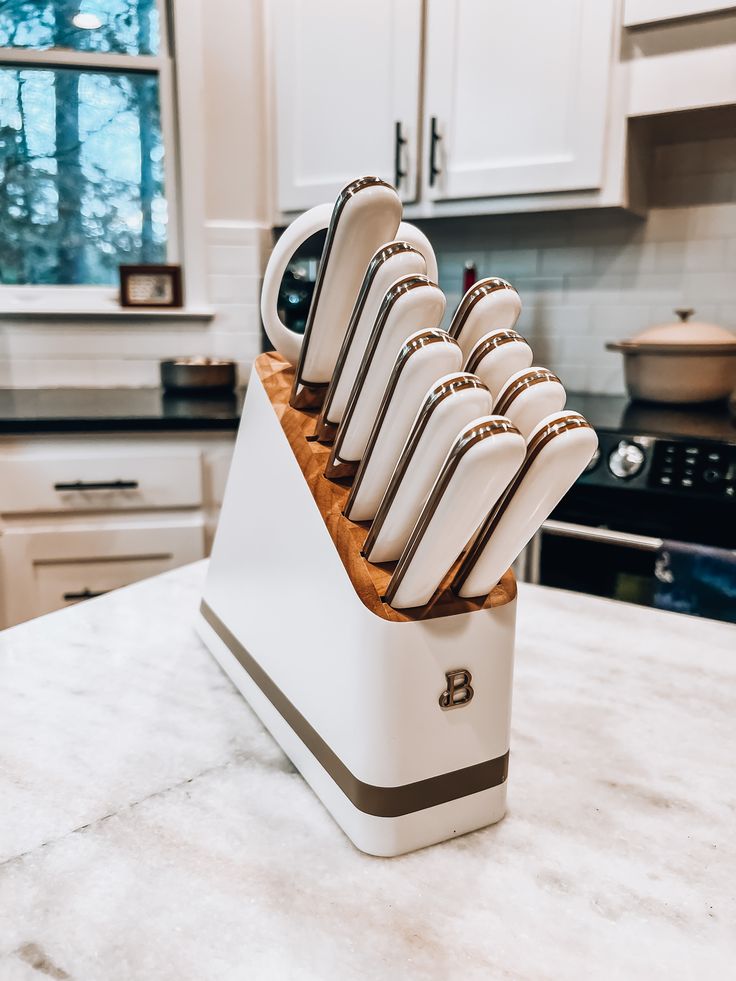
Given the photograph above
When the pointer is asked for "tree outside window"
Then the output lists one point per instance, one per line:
(81, 146)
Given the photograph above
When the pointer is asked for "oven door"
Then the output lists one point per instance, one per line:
(616, 564)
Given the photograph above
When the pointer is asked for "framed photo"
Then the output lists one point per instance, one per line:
(150, 286)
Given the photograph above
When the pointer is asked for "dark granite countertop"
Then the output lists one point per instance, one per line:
(78, 410)
(616, 413)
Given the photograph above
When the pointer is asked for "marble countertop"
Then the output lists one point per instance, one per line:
(151, 829)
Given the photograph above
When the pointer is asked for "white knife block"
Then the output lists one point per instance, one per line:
(348, 687)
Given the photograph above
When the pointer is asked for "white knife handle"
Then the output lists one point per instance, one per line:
(287, 342)
(530, 396)
(497, 356)
(411, 303)
(489, 304)
(558, 451)
(450, 405)
(367, 214)
(391, 263)
(416, 237)
(478, 469)
(426, 356)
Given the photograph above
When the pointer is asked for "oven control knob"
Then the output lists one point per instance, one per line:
(626, 460)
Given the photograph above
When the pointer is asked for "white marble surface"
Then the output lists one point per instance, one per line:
(150, 829)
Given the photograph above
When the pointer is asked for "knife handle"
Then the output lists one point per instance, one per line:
(530, 396)
(497, 356)
(426, 356)
(453, 402)
(558, 451)
(410, 304)
(391, 263)
(479, 467)
(489, 304)
(287, 342)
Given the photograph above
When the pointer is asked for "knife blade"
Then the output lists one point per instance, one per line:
(558, 451)
(453, 402)
(389, 264)
(489, 304)
(410, 304)
(479, 467)
(529, 396)
(366, 215)
(426, 356)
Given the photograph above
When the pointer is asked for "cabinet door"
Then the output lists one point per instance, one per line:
(345, 75)
(48, 565)
(518, 95)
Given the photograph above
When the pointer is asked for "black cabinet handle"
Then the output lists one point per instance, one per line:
(399, 142)
(90, 485)
(85, 594)
(434, 138)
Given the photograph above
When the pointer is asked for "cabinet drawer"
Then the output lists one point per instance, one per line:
(65, 583)
(51, 566)
(104, 481)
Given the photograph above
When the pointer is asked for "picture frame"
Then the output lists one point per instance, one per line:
(151, 286)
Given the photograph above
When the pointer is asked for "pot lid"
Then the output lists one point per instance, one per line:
(684, 333)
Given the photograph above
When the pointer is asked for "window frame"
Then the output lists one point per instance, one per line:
(48, 299)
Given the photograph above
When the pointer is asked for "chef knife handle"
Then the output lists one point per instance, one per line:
(399, 142)
(434, 138)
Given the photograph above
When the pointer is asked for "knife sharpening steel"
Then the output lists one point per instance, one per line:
(399, 720)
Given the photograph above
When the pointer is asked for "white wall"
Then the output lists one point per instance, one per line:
(589, 277)
(222, 81)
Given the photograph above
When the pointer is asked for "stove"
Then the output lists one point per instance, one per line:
(661, 474)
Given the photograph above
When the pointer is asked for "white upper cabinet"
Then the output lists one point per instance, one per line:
(637, 12)
(346, 96)
(516, 96)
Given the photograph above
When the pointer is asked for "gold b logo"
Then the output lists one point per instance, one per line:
(459, 691)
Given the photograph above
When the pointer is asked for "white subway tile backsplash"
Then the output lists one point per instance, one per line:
(585, 278)
(46, 354)
(607, 275)
(234, 289)
(668, 224)
(714, 221)
(568, 260)
(232, 260)
(624, 258)
(707, 255)
(512, 263)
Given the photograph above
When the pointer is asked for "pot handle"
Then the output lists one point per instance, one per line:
(287, 342)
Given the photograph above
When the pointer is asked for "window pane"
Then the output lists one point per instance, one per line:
(81, 175)
(119, 26)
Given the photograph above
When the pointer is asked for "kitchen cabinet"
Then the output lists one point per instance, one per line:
(82, 515)
(346, 96)
(522, 105)
(640, 12)
(48, 566)
(682, 65)
(516, 96)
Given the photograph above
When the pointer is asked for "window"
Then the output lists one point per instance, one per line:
(83, 170)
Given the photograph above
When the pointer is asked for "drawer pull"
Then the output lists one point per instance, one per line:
(85, 594)
(91, 485)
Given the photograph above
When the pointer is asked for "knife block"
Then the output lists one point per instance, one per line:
(398, 719)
